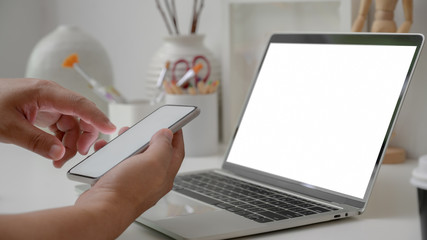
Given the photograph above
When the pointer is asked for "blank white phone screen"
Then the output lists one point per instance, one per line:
(319, 113)
(130, 141)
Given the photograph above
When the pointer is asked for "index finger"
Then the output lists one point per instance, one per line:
(55, 97)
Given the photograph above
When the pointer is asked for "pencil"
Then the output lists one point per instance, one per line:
(176, 89)
(213, 87)
(191, 90)
(167, 87)
(201, 86)
(162, 75)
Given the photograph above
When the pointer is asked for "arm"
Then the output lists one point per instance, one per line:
(407, 11)
(61, 223)
(121, 195)
(113, 203)
(361, 18)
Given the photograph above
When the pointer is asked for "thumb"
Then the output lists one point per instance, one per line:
(34, 139)
(160, 145)
(163, 136)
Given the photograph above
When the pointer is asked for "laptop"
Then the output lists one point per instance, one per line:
(309, 142)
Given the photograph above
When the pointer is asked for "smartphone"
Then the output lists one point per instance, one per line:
(135, 140)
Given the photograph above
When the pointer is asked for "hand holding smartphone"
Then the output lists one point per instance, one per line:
(135, 140)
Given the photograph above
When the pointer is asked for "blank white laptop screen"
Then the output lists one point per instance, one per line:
(337, 102)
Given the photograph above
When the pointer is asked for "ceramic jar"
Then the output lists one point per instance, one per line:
(45, 61)
(178, 48)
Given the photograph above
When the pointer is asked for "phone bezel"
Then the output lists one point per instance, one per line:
(177, 125)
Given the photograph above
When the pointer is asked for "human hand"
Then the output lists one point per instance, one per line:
(137, 183)
(75, 121)
(162, 161)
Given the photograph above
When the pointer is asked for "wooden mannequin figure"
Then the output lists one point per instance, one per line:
(384, 16)
(384, 22)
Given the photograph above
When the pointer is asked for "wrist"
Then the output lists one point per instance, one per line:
(107, 208)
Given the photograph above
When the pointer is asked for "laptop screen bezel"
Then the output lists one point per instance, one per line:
(347, 38)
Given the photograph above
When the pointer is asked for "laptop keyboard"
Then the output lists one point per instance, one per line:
(245, 199)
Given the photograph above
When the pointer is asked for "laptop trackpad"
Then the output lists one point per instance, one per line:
(174, 204)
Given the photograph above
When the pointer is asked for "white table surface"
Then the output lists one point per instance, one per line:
(29, 182)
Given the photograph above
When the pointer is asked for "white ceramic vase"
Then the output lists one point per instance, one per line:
(180, 47)
(45, 62)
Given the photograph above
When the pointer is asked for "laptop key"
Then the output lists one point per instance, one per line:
(273, 216)
(307, 212)
(234, 209)
(289, 214)
(275, 209)
(306, 205)
(198, 196)
(262, 220)
(296, 209)
(224, 205)
(258, 218)
(243, 213)
(319, 209)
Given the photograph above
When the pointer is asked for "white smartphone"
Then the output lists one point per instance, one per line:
(135, 140)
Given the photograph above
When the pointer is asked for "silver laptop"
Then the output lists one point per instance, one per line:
(309, 143)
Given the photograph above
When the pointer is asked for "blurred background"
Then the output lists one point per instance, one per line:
(131, 31)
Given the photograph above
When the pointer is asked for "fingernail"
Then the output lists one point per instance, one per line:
(55, 152)
(110, 124)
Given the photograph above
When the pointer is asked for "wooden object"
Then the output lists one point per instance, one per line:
(384, 16)
(384, 22)
(394, 155)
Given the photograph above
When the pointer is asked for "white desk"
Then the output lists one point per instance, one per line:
(29, 182)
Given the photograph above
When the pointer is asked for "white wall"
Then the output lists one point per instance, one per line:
(131, 31)
(20, 27)
(411, 127)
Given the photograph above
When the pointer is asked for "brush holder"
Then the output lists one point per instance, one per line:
(180, 48)
(201, 134)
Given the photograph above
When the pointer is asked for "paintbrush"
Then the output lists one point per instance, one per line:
(109, 94)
